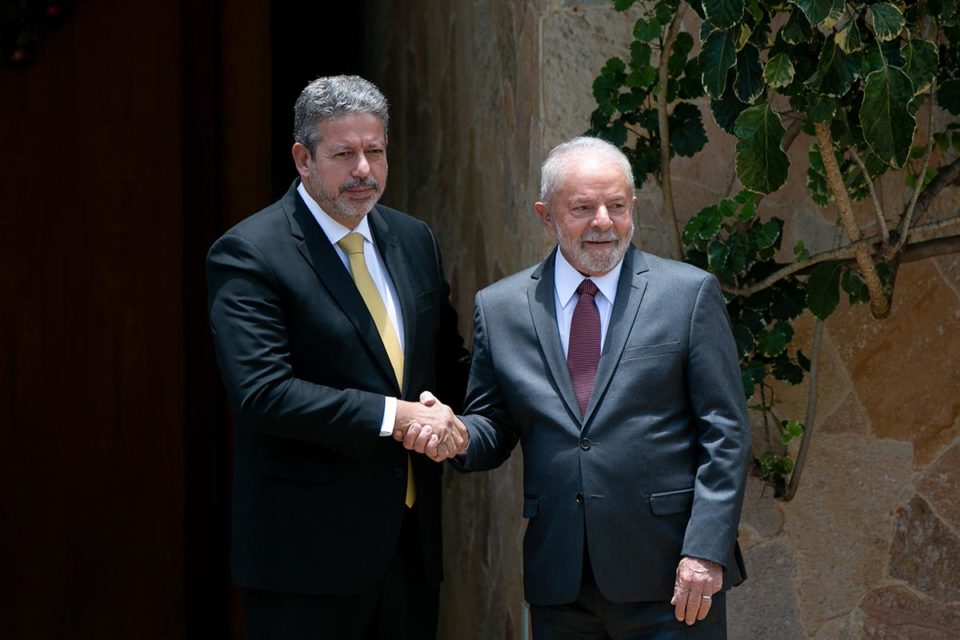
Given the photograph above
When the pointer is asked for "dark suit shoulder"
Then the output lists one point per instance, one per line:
(679, 272)
(512, 284)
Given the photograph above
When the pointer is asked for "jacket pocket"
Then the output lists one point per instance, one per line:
(648, 350)
(531, 507)
(668, 502)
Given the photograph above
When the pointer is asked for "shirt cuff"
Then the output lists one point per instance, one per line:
(389, 416)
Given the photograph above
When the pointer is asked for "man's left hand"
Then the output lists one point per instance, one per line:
(697, 581)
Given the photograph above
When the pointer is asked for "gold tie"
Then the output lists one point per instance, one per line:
(352, 243)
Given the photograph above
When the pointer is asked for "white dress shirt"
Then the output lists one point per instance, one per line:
(378, 273)
(566, 280)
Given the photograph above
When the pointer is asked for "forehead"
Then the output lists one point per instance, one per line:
(351, 129)
(593, 177)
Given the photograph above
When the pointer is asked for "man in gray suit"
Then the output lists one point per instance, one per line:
(625, 394)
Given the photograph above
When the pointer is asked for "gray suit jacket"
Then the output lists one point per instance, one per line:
(655, 469)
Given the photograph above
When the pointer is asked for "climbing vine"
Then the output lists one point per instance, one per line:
(859, 82)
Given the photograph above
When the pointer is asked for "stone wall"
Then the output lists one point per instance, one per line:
(869, 548)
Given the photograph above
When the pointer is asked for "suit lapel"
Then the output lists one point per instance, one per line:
(543, 309)
(630, 289)
(398, 268)
(319, 253)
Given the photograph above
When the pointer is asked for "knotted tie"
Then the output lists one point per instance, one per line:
(352, 243)
(583, 350)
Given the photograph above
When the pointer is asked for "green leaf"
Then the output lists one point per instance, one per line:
(678, 55)
(823, 289)
(855, 287)
(921, 63)
(752, 375)
(646, 30)
(687, 135)
(690, 85)
(821, 11)
(779, 71)
(848, 38)
(790, 430)
(623, 5)
(639, 55)
(888, 125)
(766, 234)
(744, 338)
(761, 163)
(703, 226)
(885, 20)
(726, 109)
(797, 29)
(748, 84)
(716, 57)
(800, 251)
(723, 14)
(773, 341)
(717, 254)
(821, 108)
(948, 96)
(784, 369)
(836, 70)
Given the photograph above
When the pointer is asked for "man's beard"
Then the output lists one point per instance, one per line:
(597, 263)
(340, 206)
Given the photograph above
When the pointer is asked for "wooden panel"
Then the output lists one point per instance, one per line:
(91, 438)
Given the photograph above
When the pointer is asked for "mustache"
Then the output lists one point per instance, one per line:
(360, 184)
(600, 236)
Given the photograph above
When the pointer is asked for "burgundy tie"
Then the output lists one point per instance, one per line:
(583, 351)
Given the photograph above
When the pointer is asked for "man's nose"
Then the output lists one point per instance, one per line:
(362, 168)
(602, 219)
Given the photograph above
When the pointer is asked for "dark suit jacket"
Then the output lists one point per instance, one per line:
(656, 468)
(318, 494)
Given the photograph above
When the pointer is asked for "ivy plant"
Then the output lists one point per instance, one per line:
(857, 81)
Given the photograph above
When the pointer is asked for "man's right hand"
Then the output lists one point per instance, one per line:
(429, 427)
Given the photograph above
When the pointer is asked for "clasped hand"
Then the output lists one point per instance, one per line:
(430, 427)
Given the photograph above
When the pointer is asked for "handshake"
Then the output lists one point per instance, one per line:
(430, 427)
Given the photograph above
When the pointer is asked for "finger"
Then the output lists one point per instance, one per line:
(431, 447)
(427, 399)
(705, 604)
(679, 603)
(398, 435)
(443, 452)
(410, 437)
(693, 603)
(420, 445)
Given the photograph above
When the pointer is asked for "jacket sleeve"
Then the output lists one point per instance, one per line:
(250, 336)
(718, 403)
(492, 434)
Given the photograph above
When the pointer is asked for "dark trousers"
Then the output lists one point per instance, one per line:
(401, 607)
(593, 617)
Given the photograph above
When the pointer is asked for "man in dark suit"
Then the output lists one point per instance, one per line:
(618, 374)
(330, 315)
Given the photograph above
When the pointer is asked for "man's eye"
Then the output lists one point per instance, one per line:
(375, 152)
(342, 154)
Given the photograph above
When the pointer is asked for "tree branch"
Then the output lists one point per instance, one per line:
(663, 123)
(879, 305)
(811, 414)
(913, 252)
(947, 175)
(877, 207)
(904, 227)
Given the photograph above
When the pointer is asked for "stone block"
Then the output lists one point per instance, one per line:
(764, 606)
(896, 613)
(925, 552)
(940, 485)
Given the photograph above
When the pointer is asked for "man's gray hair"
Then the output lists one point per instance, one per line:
(554, 168)
(331, 97)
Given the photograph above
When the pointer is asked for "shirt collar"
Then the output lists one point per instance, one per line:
(567, 279)
(334, 230)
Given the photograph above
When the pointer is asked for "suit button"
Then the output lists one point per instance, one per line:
(585, 444)
(579, 497)
(398, 472)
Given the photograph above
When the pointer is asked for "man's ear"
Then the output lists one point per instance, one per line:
(302, 158)
(545, 218)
